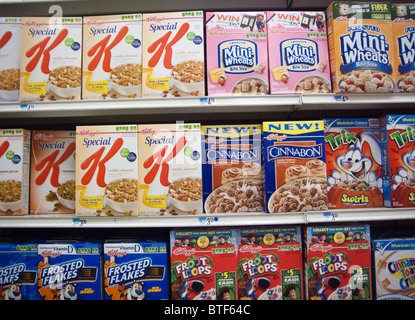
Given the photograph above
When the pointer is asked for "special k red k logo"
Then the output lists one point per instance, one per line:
(3, 147)
(5, 38)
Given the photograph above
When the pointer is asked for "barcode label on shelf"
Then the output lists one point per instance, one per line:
(207, 101)
(331, 216)
(30, 106)
(79, 222)
(208, 220)
(341, 98)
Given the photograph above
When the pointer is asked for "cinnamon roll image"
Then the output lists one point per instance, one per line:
(296, 172)
(232, 174)
(252, 170)
(317, 168)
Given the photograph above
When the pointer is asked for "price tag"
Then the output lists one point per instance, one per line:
(79, 222)
(333, 216)
(30, 106)
(208, 220)
(208, 101)
(341, 98)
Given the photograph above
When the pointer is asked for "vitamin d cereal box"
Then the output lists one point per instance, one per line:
(203, 264)
(52, 183)
(398, 144)
(170, 169)
(295, 166)
(354, 162)
(237, 55)
(10, 42)
(233, 176)
(298, 52)
(173, 55)
(18, 271)
(69, 271)
(51, 58)
(106, 170)
(112, 56)
(338, 263)
(394, 269)
(361, 47)
(14, 171)
(270, 263)
(135, 271)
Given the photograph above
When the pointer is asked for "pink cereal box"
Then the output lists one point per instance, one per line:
(237, 55)
(298, 52)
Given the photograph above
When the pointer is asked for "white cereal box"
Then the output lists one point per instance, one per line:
(51, 57)
(112, 56)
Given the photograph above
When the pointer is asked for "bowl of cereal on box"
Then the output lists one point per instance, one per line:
(65, 82)
(126, 80)
(122, 195)
(10, 195)
(9, 84)
(250, 86)
(185, 194)
(188, 76)
(66, 194)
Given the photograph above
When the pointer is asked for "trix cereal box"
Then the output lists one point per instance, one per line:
(51, 58)
(52, 183)
(237, 59)
(298, 52)
(354, 163)
(173, 56)
(69, 271)
(106, 170)
(112, 56)
(295, 166)
(361, 47)
(270, 264)
(170, 169)
(14, 171)
(203, 265)
(338, 263)
(398, 144)
(135, 271)
(233, 177)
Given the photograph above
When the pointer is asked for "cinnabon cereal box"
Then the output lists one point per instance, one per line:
(361, 47)
(52, 182)
(112, 56)
(173, 54)
(338, 263)
(354, 162)
(270, 263)
(298, 52)
(14, 171)
(233, 175)
(203, 264)
(51, 58)
(170, 169)
(295, 166)
(106, 170)
(10, 42)
(237, 55)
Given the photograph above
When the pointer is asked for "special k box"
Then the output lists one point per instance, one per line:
(52, 182)
(361, 47)
(298, 52)
(170, 169)
(14, 171)
(173, 55)
(112, 56)
(10, 42)
(106, 170)
(354, 162)
(237, 55)
(51, 58)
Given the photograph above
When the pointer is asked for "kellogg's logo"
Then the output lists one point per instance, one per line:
(250, 249)
(186, 251)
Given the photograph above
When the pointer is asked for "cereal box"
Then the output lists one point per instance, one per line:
(295, 166)
(233, 176)
(203, 264)
(270, 263)
(173, 55)
(354, 162)
(51, 58)
(170, 169)
(394, 269)
(237, 59)
(112, 56)
(14, 171)
(106, 170)
(298, 52)
(52, 183)
(10, 42)
(69, 271)
(398, 144)
(338, 263)
(135, 271)
(361, 47)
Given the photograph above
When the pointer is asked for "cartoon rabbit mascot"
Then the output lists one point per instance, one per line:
(403, 175)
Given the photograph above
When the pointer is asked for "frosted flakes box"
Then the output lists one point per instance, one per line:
(270, 263)
(52, 182)
(135, 271)
(237, 55)
(298, 52)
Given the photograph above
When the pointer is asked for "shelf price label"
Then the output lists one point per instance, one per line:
(333, 216)
(208, 101)
(29, 106)
(341, 98)
(79, 222)
(207, 221)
